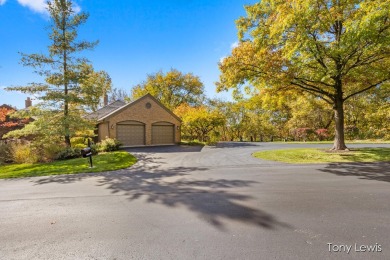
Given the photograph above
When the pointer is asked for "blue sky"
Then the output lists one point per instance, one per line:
(137, 37)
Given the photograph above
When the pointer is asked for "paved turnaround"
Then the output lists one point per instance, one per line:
(201, 203)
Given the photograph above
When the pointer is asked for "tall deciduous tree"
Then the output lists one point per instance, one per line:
(61, 67)
(199, 122)
(332, 49)
(94, 85)
(118, 94)
(172, 88)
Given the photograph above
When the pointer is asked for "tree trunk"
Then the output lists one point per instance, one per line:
(65, 72)
(338, 99)
(339, 143)
(66, 125)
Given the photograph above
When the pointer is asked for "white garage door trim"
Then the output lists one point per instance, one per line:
(130, 133)
(163, 133)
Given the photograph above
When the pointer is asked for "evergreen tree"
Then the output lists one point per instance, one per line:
(62, 68)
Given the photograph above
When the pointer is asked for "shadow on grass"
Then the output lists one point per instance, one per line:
(379, 154)
(378, 171)
(212, 200)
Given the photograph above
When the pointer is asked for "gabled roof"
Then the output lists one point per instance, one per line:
(7, 107)
(104, 111)
(100, 118)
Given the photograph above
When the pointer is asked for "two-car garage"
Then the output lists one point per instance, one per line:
(132, 133)
(143, 122)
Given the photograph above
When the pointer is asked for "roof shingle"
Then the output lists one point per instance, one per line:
(99, 114)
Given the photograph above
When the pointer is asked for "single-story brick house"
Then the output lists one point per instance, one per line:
(143, 122)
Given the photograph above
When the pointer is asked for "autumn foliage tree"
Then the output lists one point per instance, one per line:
(93, 86)
(171, 89)
(8, 123)
(199, 122)
(333, 50)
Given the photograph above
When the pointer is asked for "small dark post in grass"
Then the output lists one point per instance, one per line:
(90, 161)
(90, 156)
(87, 152)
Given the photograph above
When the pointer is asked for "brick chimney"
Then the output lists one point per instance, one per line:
(28, 102)
(105, 99)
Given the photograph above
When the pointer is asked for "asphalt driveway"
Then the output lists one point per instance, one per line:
(201, 203)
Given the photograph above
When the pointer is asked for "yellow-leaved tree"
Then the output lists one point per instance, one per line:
(172, 88)
(332, 49)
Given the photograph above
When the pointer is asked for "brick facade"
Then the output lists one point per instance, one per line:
(103, 131)
(140, 111)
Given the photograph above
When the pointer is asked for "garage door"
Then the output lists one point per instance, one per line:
(131, 133)
(163, 133)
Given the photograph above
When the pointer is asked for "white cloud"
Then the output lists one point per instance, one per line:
(222, 59)
(76, 8)
(2, 2)
(234, 45)
(39, 6)
(35, 5)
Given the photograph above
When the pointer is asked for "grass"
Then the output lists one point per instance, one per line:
(310, 155)
(102, 162)
(368, 141)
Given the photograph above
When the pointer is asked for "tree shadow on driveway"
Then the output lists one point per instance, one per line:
(379, 171)
(166, 149)
(237, 144)
(211, 200)
(215, 201)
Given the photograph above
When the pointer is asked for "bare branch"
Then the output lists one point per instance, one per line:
(367, 88)
(314, 92)
(317, 89)
(314, 81)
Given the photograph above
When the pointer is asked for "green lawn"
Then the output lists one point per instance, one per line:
(102, 162)
(310, 155)
(368, 141)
